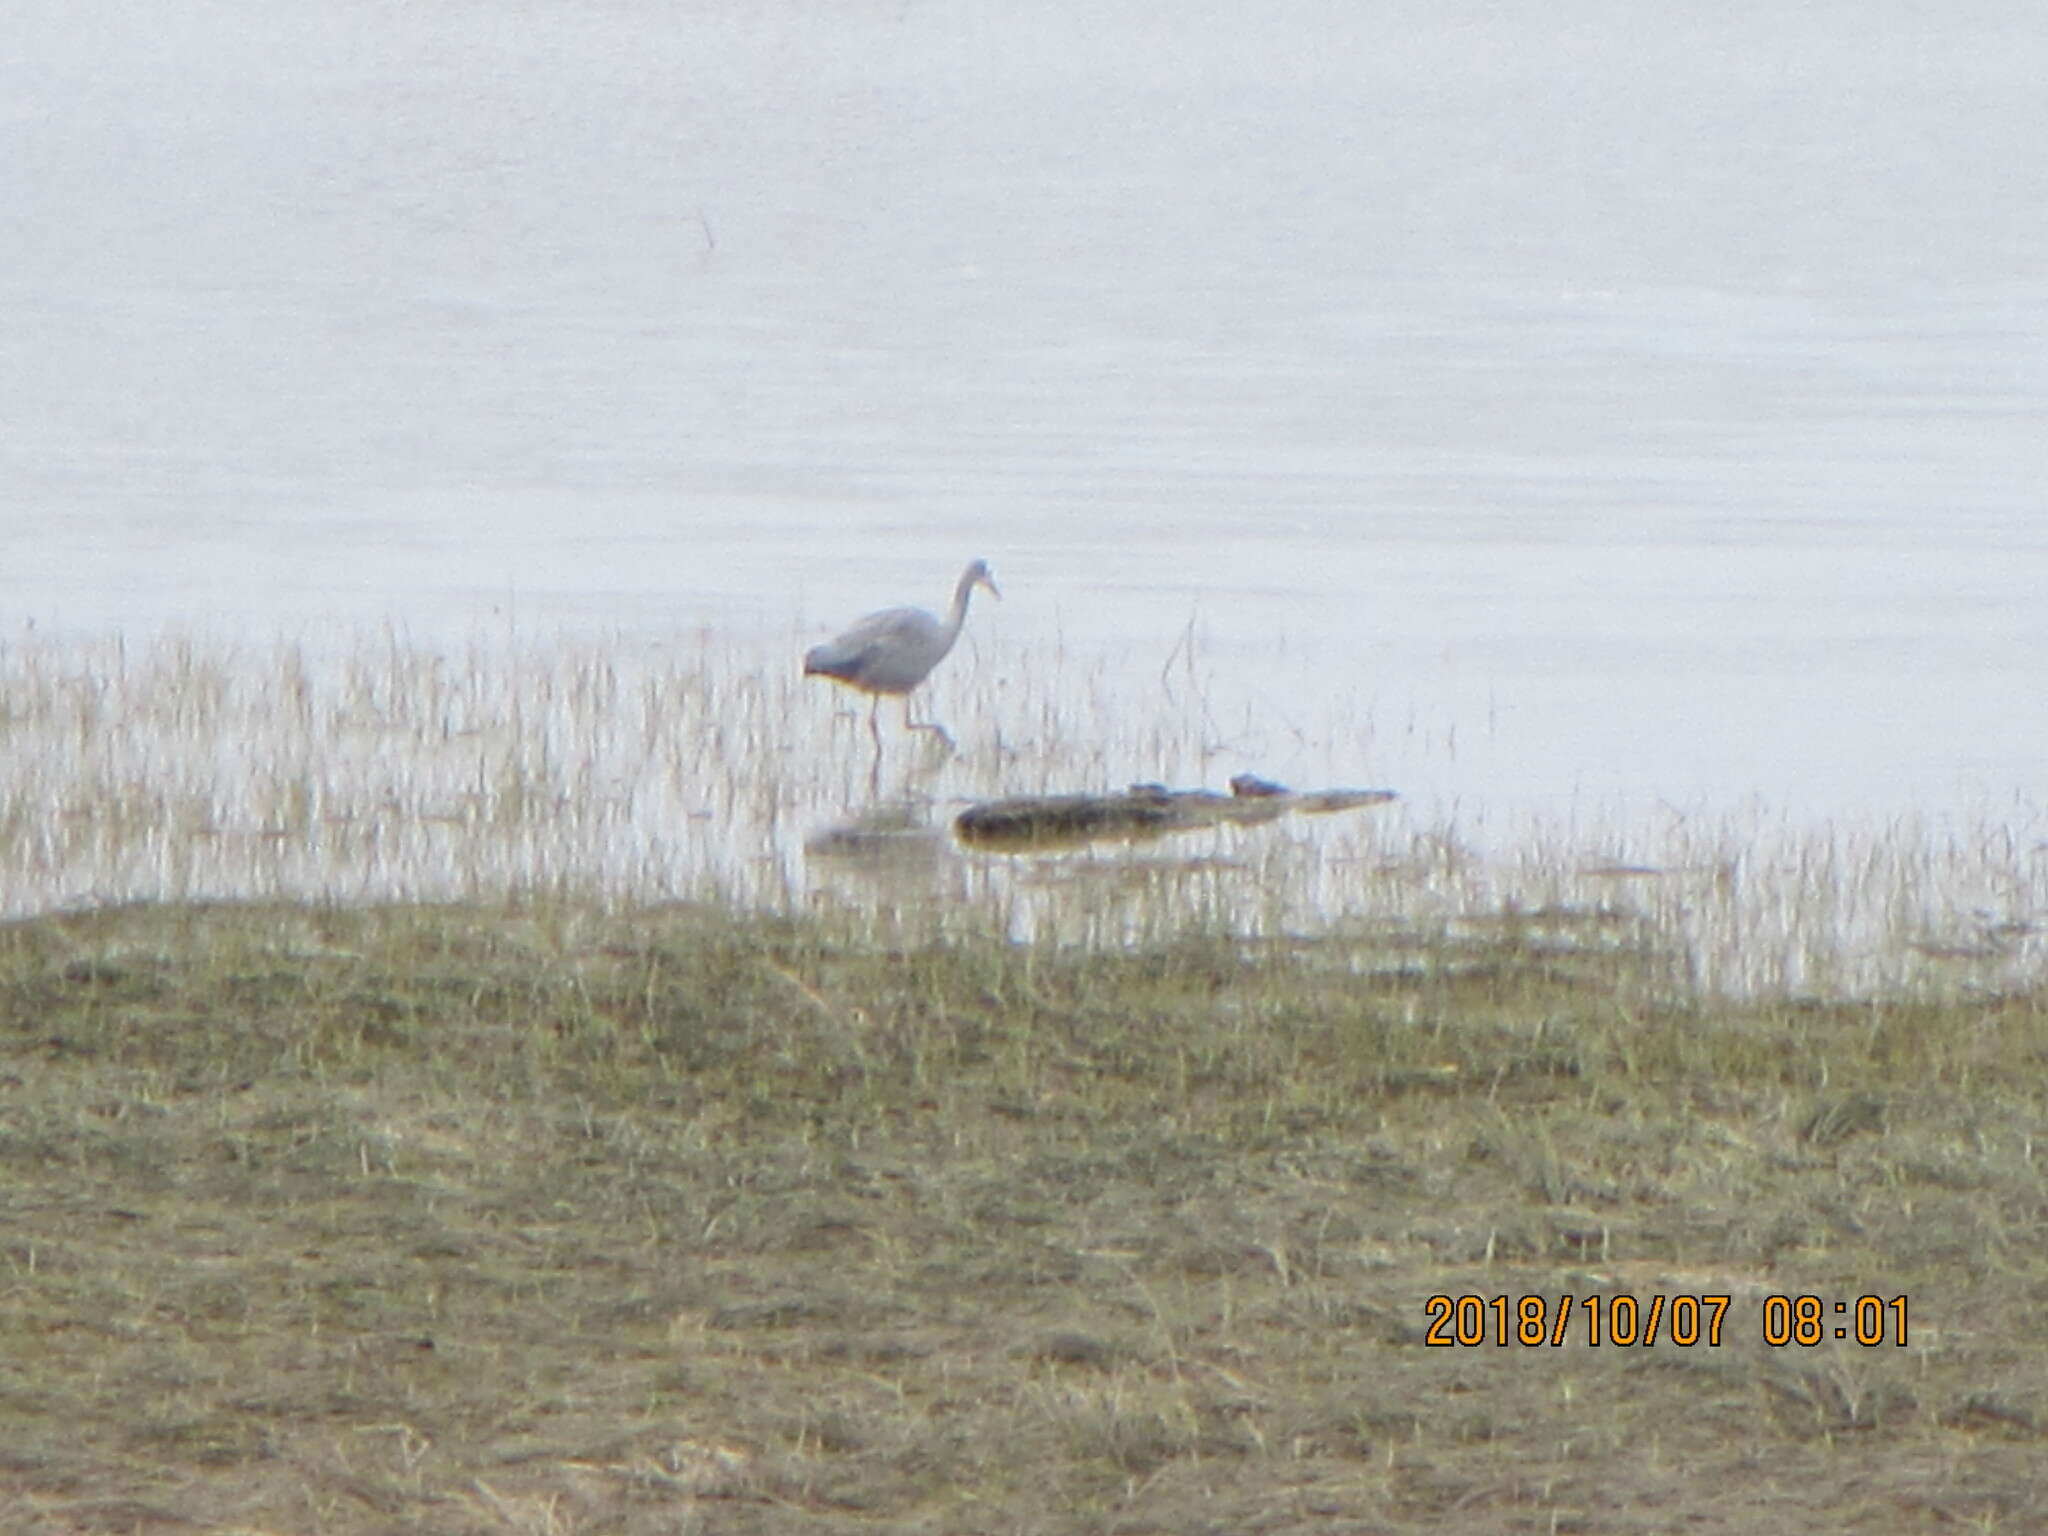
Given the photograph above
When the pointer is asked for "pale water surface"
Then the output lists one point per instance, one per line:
(1584, 413)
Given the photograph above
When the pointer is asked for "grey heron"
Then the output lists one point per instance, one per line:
(892, 651)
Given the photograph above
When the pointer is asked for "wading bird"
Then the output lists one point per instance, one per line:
(891, 652)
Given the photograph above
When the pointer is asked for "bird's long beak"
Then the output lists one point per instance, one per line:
(993, 590)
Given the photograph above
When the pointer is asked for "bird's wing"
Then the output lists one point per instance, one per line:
(891, 647)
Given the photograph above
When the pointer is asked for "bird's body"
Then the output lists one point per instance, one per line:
(889, 653)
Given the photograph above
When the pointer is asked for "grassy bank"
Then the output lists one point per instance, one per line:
(543, 1219)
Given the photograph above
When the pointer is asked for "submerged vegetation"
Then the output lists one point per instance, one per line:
(538, 1094)
(384, 771)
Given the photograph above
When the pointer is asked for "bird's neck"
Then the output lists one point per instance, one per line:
(958, 615)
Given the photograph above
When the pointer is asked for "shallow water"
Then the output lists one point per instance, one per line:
(1574, 420)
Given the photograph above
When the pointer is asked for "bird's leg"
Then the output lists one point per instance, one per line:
(875, 730)
(926, 725)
